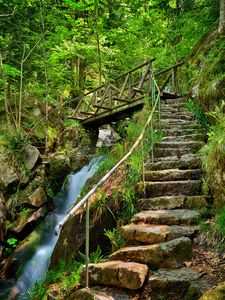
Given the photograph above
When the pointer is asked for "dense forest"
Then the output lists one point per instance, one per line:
(52, 52)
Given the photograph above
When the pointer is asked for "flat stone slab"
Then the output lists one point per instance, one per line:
(183, 138)
(180, 126)
(170, 188)
(180, 132)
(184, 162)
(172, 282)
(172, 202)
(177, 152)
(176, 115)
(165, 255)
(167, 217)
(166, 202)
(129, 275)
(152, 234)
(183, 144)
(172, 175)
(100, 293)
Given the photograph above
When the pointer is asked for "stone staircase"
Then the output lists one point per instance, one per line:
(159, 237)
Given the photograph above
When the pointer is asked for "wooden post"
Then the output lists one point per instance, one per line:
(174, 80)
(129, 86)
(150, 78)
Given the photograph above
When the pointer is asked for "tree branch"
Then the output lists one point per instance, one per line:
(9, 14)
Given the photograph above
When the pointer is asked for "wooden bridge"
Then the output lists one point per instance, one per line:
(120, 97)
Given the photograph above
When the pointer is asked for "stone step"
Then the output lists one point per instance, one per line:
(179, 110)
(176, 116)
(177, 101)
(152, 234)
(100, 293)
(172, 202)
(170, 188)
(183, 138)
(158, 203)
(173, 283)
(129, 275)
(189, 161)
(180, 132)
(172, 126)
(195, 145)
(167, 217)
(173, 175)
(174, 108)
(175, 122)
(165, 255)
(172, 152)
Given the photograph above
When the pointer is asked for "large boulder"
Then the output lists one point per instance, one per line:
(31, 156)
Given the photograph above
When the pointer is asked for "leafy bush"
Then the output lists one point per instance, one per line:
(213, 153)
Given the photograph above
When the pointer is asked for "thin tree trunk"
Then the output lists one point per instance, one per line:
(98, 44)
(46, 79)
(23, 60)
(5, 90)
(221, 28)
(21, 89)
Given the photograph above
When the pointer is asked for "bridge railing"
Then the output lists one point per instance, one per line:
(167, 79)
(155, 109)
(117, 93)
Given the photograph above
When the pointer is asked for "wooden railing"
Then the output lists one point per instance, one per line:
(167, 78)
(119, 92)
(125, 90)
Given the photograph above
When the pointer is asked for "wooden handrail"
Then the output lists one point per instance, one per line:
(113, 80)
(168, 69)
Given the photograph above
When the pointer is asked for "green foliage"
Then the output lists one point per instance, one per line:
(115, 238)
(66, 275)
(220, 221)
(213, 153)
(95, 257)
(14, 141)
(11, 245)
(196, 110)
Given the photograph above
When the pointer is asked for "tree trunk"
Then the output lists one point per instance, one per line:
(221, 28)
(5, 90)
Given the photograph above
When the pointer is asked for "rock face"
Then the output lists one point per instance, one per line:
(8, 174)
(2, 218)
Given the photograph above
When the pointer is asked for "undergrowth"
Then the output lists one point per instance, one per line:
(213, 153)
(67, 275)
(196, 110)
(213, 161)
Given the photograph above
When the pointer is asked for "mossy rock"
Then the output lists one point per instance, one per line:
(217, 293)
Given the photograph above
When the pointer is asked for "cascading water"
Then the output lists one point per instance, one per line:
(34, 268)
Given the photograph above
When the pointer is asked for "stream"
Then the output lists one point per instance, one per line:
(34, 265)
